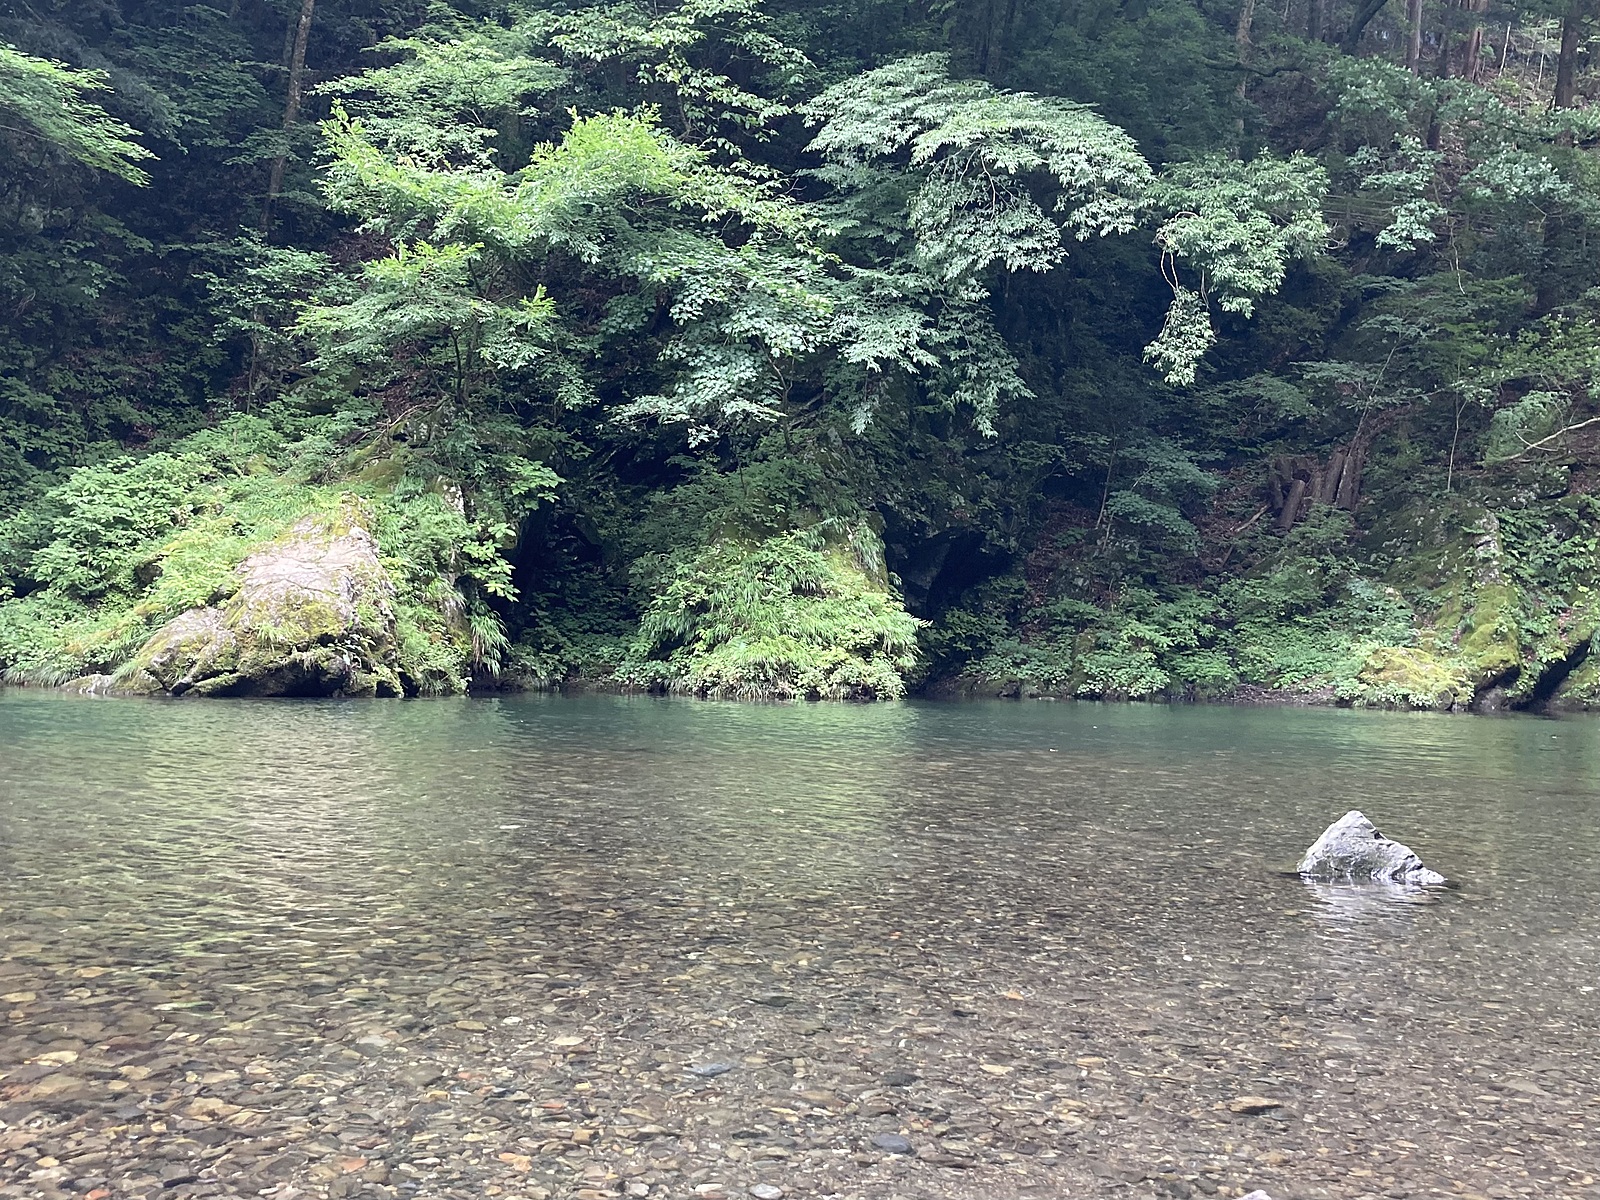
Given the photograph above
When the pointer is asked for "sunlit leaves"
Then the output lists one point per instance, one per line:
(999, 179)
(1240, 224)
(1437, 148)
(1514, 429)
(1184, 339)
(794, 616)
(636, 206)
(979, 156)
(425, 296)
(1233, 228)
(1406, 174)
(443, 100)
(51, 104)
(685, 52)
(575, 194)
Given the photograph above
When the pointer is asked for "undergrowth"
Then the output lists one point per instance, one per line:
(104, 559)
(801, 615)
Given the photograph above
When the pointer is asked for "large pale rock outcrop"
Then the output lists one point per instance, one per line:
(313, 616)
(1352, 848)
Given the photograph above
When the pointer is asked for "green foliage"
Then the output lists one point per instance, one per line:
(115, 550)
(101, 561)
(792, 617)
(1237, 226)
(615, 318)
(1186, 335)
(51, 102)
(1405, 174)
(975, 151)
(688, 52)
(435, 102)
(1531, 419)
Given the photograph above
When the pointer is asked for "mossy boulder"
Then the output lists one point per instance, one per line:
(810, 614)
(1414, 677)
(1489, 637)
(313, 615)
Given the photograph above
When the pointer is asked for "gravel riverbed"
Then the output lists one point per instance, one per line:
(567, 992)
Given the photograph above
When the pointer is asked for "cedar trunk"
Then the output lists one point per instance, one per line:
(1567, 58)
(291, 108)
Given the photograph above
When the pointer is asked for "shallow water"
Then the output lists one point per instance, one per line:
(505, 947)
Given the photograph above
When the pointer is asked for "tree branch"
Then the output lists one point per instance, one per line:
(1545, 440)
(1358, 24)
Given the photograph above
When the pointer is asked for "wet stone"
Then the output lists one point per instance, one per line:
(1251, 1106)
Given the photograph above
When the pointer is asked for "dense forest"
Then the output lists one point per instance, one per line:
(802, 348)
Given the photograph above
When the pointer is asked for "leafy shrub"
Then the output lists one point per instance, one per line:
(89, 572)
(795, 616)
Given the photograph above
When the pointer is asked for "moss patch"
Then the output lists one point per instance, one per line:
(95, 578)
(1411, 677)
(803, 615)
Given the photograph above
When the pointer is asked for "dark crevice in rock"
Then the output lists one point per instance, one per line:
(1553, 676)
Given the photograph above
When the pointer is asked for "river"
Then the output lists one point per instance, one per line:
(602, 946)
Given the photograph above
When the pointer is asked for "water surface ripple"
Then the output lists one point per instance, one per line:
(545, 947)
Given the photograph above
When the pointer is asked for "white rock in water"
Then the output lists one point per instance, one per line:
(1352, 848)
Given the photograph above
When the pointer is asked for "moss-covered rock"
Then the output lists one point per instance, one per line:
(804, 615)
(1413, 677)
(313, 615)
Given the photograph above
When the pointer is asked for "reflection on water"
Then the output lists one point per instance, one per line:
(1364, 910)
(434, 949)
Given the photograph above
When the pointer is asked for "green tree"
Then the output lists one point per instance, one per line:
(50, 107)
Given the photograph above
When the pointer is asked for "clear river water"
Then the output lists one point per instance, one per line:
(593, 947)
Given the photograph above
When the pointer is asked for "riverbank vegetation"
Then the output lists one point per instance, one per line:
(787, 348)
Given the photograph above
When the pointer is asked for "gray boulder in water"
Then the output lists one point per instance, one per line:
(1352, 848)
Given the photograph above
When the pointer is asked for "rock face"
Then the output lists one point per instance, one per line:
(313, 616)
(1352, 848)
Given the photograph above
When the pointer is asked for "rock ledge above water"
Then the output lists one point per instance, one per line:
(1353, 848)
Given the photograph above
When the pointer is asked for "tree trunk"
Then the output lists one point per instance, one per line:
(1350, 482)
(1358, 24)
(1241, 29)
(1007, 29)
(1441, 70)
(1414, 36)
(1241, 41)
(1472, 60)
(1567, 59)
(291, 108)
(984, 37)
(1315, 12)
(1461, 60)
